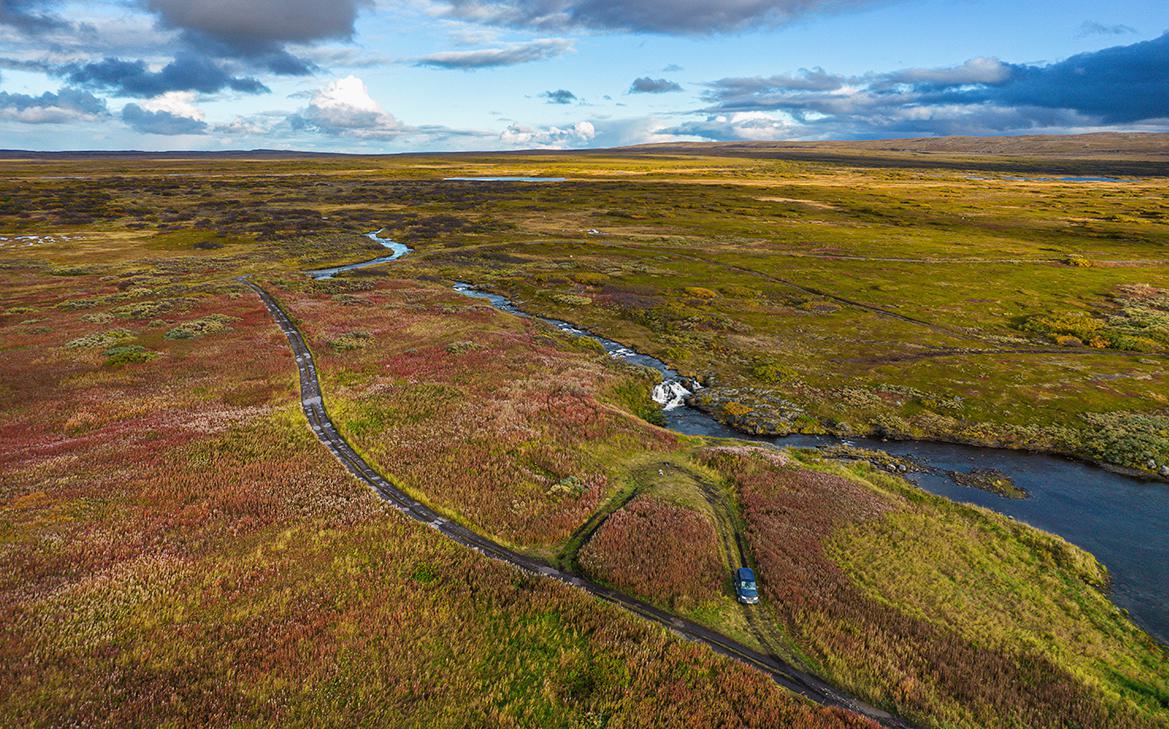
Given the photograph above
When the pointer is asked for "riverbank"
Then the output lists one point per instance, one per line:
(1089, 506)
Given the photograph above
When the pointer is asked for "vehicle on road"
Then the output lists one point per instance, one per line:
(745, 587)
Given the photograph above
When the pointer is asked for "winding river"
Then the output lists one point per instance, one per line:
(399, 250)
(1122, 520)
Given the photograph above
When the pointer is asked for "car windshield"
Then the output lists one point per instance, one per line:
(747, 585)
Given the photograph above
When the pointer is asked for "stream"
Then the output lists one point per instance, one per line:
(1122, 520)
(399, 250)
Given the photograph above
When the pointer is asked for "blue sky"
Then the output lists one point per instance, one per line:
(380, 76)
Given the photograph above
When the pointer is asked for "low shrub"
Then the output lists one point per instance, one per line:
(143, 309)
(572, 299)
(350, 341)
(589, 278)
(1130, 439)
(128, 354)
(200, 327)
(736, 409)
(100, 339)
(461, 347)
(699, 292)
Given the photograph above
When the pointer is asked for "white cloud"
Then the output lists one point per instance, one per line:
(973, 71)
(553, 137)
(753, 126)
(347, 93)
(175, 103)
(345, 108)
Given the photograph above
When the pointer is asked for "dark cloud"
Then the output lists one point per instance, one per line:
(687, 17)
(31, 16)
(647, 85)
(52, 108)
(259, 30)
(559, 96)
(134, 78)
(672, 68)
(160, 122)
(1091, 27)
(20, 64)
(510, 55)
(1119, 85)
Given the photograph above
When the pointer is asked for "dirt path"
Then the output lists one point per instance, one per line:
(312, 403)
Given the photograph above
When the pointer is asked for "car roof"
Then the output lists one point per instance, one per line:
(746, 573)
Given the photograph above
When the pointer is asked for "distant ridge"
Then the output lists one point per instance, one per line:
(265, 153)
(1137, 154)
(1128, 145)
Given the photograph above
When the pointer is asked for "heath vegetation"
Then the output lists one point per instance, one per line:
(176, 546)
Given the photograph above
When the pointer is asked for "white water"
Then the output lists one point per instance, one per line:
(670, 394)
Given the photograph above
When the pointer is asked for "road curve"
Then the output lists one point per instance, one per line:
(312, 402)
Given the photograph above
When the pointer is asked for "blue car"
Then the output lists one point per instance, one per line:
(745, 587)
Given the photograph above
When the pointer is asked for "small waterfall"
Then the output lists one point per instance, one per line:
(670, 394)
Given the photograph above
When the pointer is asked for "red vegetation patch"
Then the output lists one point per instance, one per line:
(490, 417)
(661, 551)
(179, 549)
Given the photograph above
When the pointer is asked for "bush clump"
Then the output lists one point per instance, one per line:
(350, 341)
(143, 309)
(107, 338)
(589, 278)
(461, 347)
(1138, 323)
(1135, 440)
(572, 299)
(128, 354)
(699, 292)
(200, 327)
(736, 409)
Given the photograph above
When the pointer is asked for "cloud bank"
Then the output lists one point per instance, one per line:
(133, 78)
(682, 17)
(647, 85)
(66, 105)
(1122, 85)
(509, 55)
(258, 30)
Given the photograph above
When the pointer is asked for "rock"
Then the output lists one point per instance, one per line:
(902, 467)
(759, 412)
(989, 479)
(1165, 471)
(1152, 464)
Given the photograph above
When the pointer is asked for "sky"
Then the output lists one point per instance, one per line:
(438, 75)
